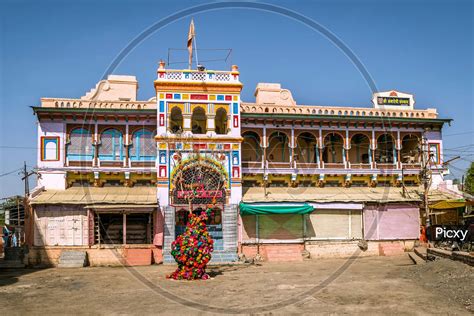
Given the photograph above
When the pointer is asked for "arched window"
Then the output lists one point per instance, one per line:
(143, 147)
(410, 152)
(359, 153)
(251, 150)
(278, 149)
(221, 121)
(199, 121)
(176, 120)
(385, 152)
(333, 148)
(111, 145)
(306, 148)
(80, 146)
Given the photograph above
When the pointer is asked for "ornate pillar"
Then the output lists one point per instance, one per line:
(127, 143)
(211, 123)
(95, 162)
(292, 148)
(263, 142)
(320, 149)
(373, 146)
(187, 122)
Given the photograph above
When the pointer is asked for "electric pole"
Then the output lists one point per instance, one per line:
(25, 177)
(426, 178)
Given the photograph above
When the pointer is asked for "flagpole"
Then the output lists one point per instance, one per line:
(195, 48)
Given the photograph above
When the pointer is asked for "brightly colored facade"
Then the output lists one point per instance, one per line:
(117, 174)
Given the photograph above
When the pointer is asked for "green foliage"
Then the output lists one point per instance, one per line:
(469, 180)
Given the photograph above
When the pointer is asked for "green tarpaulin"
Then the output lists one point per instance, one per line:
(274, 208)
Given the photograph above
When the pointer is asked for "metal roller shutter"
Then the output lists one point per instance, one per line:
(335, 224)
(391, 222)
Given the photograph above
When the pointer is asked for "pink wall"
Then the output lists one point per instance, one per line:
(392, 221)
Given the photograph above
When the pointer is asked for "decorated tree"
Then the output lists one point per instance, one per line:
(196, 183)
(192, 249)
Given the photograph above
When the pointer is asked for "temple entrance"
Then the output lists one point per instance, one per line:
(214, 224)
(199, 184)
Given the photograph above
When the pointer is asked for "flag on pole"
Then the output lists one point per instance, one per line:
(191, 35)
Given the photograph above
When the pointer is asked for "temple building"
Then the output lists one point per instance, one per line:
(119, 176)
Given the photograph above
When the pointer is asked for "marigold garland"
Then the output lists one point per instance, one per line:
(192, 249)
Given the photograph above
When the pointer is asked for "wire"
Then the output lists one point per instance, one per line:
(10, 172)
(471, 132)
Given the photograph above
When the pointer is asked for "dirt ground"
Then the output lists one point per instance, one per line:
(372, 285)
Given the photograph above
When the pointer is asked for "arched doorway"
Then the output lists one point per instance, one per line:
(251, 150)
(199, 121)
(333, 152)
(213, 223)
(359, 153)
(305, 148)
(278, 152)
(221, 122)
(176, 120)
(198, 183)
(410, 152)
(385, 152)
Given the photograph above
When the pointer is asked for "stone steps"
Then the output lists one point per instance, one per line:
(72, 259)
(218, 257)
(415, 258)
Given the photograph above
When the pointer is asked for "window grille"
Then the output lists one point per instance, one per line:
(80, 145)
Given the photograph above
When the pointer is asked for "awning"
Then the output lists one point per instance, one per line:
(96, 196)
(341, 195)
(274, 208)
(330, 194)
(448, 204)
(120, 206)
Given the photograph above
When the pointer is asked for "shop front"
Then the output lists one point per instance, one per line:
(114, 226)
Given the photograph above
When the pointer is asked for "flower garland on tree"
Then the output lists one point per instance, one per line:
(192, 249)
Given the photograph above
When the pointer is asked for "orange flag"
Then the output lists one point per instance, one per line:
(191, 35)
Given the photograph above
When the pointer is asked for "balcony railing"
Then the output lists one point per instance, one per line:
(251, 164)
(309, 165)
(411, 165)
(334, 165)
(114, 163)
(360, 166)
(198, 76)
(385, 165)
(273, 164)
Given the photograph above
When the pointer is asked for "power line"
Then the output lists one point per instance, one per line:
(471, 132)
(10, 172)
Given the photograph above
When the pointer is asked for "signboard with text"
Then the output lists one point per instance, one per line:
(393, 99)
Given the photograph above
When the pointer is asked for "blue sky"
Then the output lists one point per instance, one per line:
(62, 48)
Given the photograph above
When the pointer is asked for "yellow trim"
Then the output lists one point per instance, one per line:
(202, 105)
(185, 96)
(176, 138)
(212, 97)
(223, 106)
(175, 104)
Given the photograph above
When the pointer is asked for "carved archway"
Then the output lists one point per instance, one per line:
(199, 181)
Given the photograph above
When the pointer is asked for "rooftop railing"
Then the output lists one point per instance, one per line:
(199, 76)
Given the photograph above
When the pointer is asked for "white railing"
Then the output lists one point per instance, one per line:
(198, 76)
